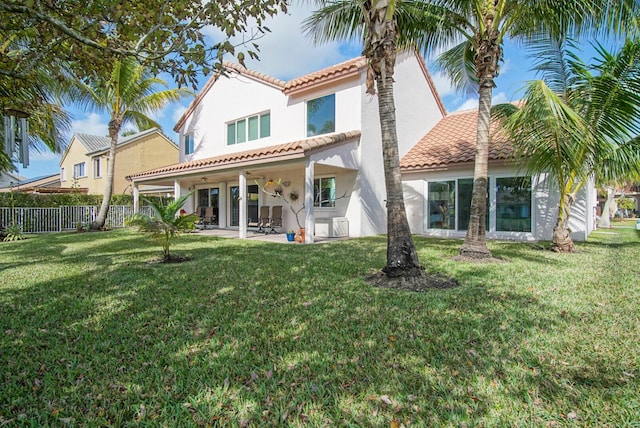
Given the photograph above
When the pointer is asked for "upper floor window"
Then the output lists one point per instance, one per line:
(249, 128)
(79, 170)
(188, 144)
(324, 192)
(96, 168)
(321, 115)
(63, 174)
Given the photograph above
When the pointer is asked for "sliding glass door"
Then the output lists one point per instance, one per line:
(234, 203)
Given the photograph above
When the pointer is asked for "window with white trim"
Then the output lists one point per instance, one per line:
(449, 204)
(324, 192)
(63, 175)
(188, 144)
(79, 170)
(321, 115)
(249, 128)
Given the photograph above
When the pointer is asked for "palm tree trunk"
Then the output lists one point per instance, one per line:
(475, 243)
(114, 130)
(562, 241)
(380, 49)
(487, 56)
(605, 215)
(402, 258)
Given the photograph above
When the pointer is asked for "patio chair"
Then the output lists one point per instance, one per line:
(208, 218)
(276, 219)
(262, 221)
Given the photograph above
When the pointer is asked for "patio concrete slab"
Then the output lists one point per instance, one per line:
(280, 238)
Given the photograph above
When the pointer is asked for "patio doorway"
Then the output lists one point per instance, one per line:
(252, 203)
(210, 198)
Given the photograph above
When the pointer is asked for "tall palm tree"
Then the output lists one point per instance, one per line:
(473, 32)
(375, 24)
(128, 95)
(580, 121)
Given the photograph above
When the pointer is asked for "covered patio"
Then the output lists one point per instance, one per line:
(315, 179)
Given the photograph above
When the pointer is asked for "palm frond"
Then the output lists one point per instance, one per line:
(335, 20)
(458, 63)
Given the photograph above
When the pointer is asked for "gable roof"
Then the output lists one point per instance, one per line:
(453, 141)
(346, 69)
(292, 150)
(95, 144)
(349, 68)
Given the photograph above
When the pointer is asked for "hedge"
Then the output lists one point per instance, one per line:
(51, 200)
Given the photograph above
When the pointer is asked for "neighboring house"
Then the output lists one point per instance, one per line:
(318, 136)
(438, 179)
(41, 184)
(84, 163)
(8, 179)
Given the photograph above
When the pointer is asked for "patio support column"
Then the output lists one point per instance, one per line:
(242, 182)
(309, 220)
(136, 198)
(177, 190)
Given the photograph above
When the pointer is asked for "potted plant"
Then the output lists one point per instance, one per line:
(291, 235)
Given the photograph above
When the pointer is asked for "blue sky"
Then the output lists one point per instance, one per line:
(285, 53)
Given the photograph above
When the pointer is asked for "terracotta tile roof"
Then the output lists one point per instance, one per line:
(453, 141)
(255, 74)
(294, 149)
(344, 69)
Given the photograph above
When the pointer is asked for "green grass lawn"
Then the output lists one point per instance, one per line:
(263, 334)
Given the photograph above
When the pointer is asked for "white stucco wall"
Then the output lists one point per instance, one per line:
(417, 112)
(238, 97)
(229, 99)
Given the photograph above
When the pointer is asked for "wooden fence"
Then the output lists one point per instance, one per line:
(42, 220)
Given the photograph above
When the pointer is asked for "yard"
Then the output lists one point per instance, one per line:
(254, 333)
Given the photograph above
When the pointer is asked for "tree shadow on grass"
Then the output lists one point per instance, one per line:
(257, 334)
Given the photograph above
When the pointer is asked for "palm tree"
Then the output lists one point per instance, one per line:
(578, 122)
(375, 23)
(473, 32)
(164, 223)
(128, 95)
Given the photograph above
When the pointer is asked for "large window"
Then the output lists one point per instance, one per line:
(513, 204)
(442, 204)
(321, 115)
(449, 204)
(97, 173)
(188, 144)
(79, 170)
(249, 128)
(324, 192)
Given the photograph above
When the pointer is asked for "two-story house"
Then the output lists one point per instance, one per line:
(84, 162)
(318, 137)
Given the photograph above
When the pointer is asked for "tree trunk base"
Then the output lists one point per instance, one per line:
(403, 271)
(562, 242)
(473, 252)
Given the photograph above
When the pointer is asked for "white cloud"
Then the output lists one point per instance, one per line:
(92, 123)
(443, 84)
(472, 103)
(287, 53)
(177, 113)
